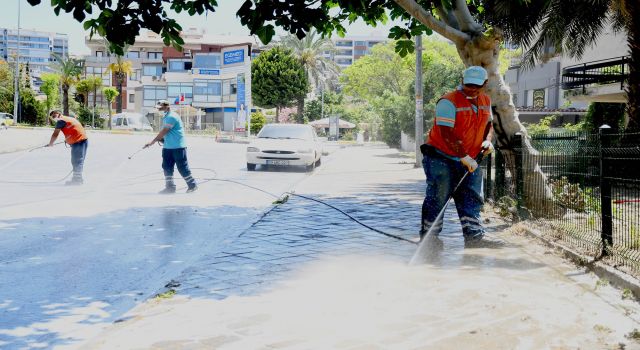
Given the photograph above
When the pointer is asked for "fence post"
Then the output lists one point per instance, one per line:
(519, 155)
(605, 189)
(499, 175)
(488, 190)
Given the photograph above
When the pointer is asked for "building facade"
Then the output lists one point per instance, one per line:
(36, 49)
(209, 80)
(350, 48)
(565, 86)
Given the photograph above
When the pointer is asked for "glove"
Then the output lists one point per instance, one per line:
(487, 146)
(469, 163)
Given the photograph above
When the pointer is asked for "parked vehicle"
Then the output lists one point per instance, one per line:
(284, 145)
(130, 121)
(6, 120)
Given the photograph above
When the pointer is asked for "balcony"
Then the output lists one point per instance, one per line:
(597, 81)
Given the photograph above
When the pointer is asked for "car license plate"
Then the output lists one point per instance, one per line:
(277, 162)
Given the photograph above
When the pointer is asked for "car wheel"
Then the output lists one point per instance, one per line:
(251, 167)
(311, 167)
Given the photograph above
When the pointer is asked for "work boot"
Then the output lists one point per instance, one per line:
(483, 241)
(192, 188)
(168, 190)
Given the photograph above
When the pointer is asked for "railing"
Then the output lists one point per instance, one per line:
(609, 71)
(594, 187)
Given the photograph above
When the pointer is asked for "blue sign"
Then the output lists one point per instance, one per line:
(241, 106)
(235, 56)
(207, 71)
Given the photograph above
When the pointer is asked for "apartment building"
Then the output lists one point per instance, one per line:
(210, 78)
(36, 48)
(565, 86)
(350, 48)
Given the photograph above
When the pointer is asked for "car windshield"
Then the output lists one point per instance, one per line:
(285, 132)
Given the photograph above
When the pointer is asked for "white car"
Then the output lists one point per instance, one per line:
(284, 145)
(130, 121)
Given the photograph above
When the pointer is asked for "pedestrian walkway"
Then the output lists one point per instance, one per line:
(307, 277)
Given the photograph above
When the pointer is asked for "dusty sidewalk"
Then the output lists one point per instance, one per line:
(306, 277)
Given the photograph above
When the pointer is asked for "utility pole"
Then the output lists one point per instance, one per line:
(16, 93)
(419, 128)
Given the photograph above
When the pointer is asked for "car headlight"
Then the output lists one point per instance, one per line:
(253, 149)
(305, 150)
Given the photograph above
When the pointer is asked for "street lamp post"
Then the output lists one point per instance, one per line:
(16, 93)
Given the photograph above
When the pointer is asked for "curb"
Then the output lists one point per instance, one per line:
(615, 277)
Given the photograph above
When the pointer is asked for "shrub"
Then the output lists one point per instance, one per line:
(257, 122)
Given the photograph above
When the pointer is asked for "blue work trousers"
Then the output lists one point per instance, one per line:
(443, 174)
(78, 153)
(176, 157)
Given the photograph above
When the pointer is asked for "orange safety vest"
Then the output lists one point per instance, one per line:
(468, 127)
(73, 130)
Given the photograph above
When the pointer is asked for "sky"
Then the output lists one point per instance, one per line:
(223, 21)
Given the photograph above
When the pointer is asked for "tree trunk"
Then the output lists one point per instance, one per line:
(65, 99)
(119, 97)
(277, 115)
(484, 51)
(633, 84)
(109, 108)
(300, 109)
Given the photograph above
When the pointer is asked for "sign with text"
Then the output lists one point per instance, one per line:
(206, 71)
(235, 56)
(241, 107)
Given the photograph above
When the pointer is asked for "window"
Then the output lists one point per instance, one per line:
(99, 54)
(152, 70)
(154, 55)
(133, 54)
(344, 43)
(538, 98)
(229, 90)
(373, 43)
(345, 52)
(360, 52)
(100, 72)
(179, 65)
(152, 94)
(361, 43)
(207, 91)
(135, 74)
(515, 99)
(132, 98)
(206, 60)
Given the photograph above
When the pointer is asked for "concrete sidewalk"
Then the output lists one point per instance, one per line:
(307, 277)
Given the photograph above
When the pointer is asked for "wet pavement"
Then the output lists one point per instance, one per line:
(75, 259)
(306, 277)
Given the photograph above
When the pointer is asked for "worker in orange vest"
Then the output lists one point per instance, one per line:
(76, 137)
(462, 129)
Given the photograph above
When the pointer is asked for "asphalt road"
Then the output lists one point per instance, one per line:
(75, 259)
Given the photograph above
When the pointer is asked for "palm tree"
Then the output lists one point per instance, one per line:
(120, 69)
(83, 88)
(95, 83)
(110, 94)
(69, 70)
(310, 51)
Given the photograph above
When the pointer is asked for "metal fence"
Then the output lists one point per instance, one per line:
(583, 189)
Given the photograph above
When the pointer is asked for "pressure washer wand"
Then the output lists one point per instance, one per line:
(47, 145)
(136, 152)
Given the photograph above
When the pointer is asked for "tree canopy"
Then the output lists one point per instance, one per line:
(278, 79)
